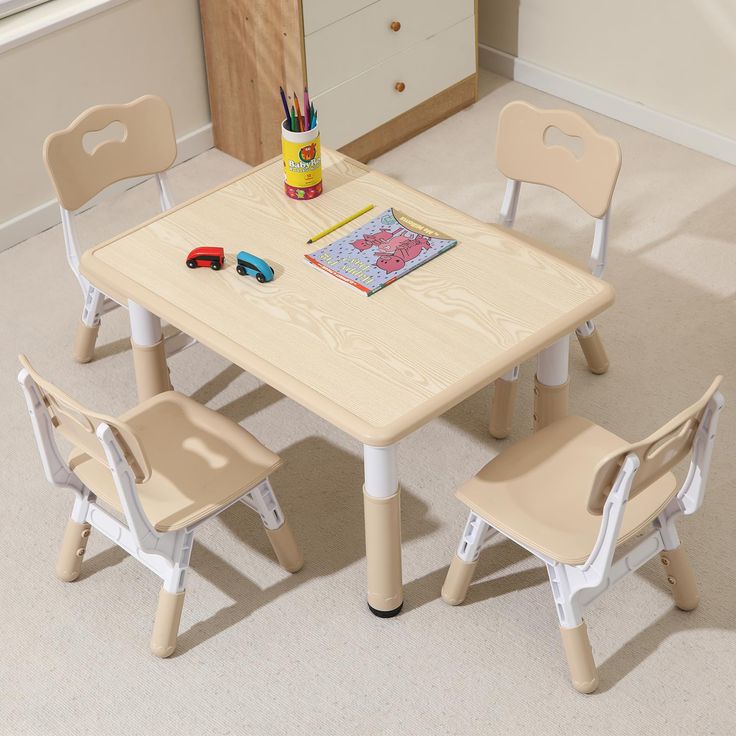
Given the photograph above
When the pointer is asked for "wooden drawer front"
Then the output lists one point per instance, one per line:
(371, 99)
(359, 41)
(320, 13)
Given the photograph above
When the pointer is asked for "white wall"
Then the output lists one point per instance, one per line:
(133, 48)
(674, 57)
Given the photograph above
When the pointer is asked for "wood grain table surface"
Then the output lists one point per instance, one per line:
(377, 367)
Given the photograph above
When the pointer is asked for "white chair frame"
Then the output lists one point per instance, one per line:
(599, 251)
(96, 303)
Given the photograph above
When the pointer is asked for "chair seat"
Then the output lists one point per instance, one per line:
(536, 492)
(200, 462)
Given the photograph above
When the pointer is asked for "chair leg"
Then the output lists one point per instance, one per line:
(465, 560)
(579, 654)
(262, 500)
(285, 548)
(681, 577)
(457, 581)
(73, 547)
(166, 625)
(595, 354)
(502, 406)
(84, 342)
(89, 326)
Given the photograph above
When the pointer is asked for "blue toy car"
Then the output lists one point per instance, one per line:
(250, 265)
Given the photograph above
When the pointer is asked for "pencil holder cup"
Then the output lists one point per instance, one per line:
(302, 163)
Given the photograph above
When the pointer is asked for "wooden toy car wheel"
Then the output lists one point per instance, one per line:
(215, 266)
(240, 270)
(192, 264)
(260, 278)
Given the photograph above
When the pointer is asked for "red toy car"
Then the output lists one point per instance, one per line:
(206, 256)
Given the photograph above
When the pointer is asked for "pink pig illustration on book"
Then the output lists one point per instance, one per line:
(373, 240)
(392, 245)
(404, 253)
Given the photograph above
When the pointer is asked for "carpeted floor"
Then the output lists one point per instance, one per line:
(262, 652)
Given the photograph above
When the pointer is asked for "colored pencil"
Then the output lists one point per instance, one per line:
(298, 111)
(340, 224)
(307, 120)
(286, 106)
(294, 126)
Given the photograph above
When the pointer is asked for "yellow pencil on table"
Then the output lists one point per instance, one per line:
(332, 228)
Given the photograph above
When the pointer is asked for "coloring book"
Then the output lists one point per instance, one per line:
(381, 251)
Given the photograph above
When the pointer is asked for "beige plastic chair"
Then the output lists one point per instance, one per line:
(572, 493)
(148, 147)
(147, 480)
(522, 155)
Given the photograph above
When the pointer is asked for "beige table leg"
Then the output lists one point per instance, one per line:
(502, 405)
(382, 531)
(149, 357)
(552, 383)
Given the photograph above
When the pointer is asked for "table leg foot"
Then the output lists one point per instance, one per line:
(386, 614)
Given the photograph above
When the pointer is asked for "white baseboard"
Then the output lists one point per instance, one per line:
(46, 215)
(613, 106)
(193, 143)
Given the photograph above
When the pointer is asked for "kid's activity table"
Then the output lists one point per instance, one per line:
(377, 367)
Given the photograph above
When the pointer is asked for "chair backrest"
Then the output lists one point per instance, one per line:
(148, 147)
(523, 155)
(78, 425)
(657, 454)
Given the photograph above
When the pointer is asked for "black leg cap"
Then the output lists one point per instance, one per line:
(386, 614)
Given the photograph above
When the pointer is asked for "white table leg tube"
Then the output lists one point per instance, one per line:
(552, 383)
(382, 530)
(149, 358)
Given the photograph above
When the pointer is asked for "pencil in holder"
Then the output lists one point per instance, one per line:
(302, 162)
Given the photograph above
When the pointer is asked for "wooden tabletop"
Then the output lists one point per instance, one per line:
(377, 367)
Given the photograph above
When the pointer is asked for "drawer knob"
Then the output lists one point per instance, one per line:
(399, 86)
(395, 26)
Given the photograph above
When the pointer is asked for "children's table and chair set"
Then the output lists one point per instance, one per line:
(377, 368)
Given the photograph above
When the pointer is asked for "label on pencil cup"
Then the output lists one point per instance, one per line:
(302, 163)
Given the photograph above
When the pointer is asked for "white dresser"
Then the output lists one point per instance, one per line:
(379, 72)
(368, 63)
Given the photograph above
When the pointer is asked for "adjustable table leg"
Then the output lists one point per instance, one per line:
(382, 531)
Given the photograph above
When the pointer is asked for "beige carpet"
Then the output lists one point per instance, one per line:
(262, 652)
